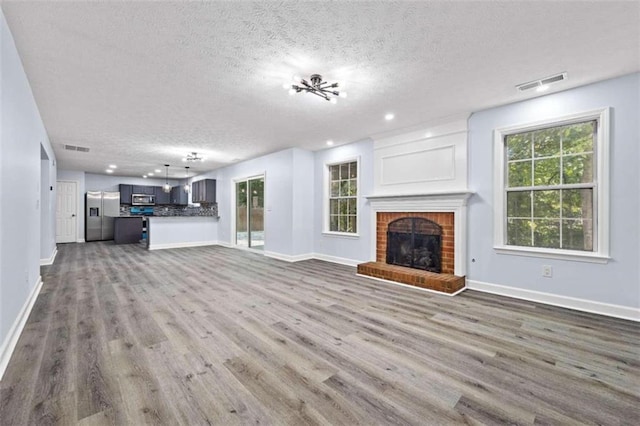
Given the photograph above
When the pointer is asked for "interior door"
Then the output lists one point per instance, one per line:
(66, 212)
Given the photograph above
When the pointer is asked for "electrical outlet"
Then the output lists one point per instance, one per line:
(547, 271)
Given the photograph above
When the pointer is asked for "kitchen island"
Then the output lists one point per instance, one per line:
(181, 231)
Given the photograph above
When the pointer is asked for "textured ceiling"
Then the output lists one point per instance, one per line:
(143, 83)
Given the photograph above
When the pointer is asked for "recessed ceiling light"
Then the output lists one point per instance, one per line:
(144, 176)
(150, 174)
(389, 117)
(113, 166)
(109, 171)
(158, 171)
(330, 143)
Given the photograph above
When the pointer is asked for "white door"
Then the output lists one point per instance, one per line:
(67, 212)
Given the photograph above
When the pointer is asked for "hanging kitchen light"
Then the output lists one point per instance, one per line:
(166, 187)
(187, 188)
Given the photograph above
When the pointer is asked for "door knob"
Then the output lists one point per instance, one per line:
(73, 215)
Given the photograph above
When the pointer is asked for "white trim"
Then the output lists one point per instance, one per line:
(80, 240)
(340, 234)
(182, 245)
(9, 343)
(50, 259)
(441, 293)
(288, 257)
(571, 255)
(601, 189)
(438, 202)
(616, 311)
(338, 260)
(326, 192)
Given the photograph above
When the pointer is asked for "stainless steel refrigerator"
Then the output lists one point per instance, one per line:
(101, 209)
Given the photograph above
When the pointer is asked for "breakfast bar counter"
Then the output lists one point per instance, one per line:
(181, 231)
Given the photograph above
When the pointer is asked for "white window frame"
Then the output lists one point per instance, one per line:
(327, 192)
(600, 253)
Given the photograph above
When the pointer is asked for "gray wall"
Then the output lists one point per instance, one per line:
(21, 135)
(617, 282)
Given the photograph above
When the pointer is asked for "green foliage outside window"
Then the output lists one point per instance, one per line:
(343, 197)
(550, 186)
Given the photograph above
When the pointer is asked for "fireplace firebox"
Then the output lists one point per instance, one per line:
(416, 243)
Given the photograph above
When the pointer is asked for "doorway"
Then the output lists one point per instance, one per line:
(66, 212)
(250, 212)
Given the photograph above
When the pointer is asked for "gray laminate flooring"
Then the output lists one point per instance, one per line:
(211, 335)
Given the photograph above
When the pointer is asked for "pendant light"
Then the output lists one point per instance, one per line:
(187, 188)
(166, 187)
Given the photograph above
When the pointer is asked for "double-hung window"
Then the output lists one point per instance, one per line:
(342, 197)
(551, 193)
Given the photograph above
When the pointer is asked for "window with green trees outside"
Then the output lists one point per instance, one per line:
(550, 187)
(343, 197)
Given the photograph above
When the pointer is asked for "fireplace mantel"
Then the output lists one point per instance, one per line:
(444, 201)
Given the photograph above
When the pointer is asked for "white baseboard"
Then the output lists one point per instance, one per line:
(339, 260)
(584, 305)
(51, 258)
(440, 293)
(9, 343)
(80, 240)
(182, 245)
(226, 244)
(288, 257)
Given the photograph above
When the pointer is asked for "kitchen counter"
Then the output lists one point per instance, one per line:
(181, 231)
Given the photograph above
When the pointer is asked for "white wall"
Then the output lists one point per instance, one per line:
(345, 249)
(278, 193)
(47, 207)
(97, 182)
(616, 283)
(22, 133)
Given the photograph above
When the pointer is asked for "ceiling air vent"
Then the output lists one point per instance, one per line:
(76, 148)
(543, 83)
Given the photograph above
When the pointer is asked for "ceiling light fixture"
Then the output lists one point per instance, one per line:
(330, 143)
(193, 156)
(113, 166)
(158, 171)
(109, 171)
(144, 176)
(186, 187)
(542, 84)
(150, 174)
(166, 187)
(389, 117)
(317, 87)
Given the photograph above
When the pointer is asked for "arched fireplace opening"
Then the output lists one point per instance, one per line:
(416, 243)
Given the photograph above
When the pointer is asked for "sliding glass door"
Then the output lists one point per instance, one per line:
(250, 212)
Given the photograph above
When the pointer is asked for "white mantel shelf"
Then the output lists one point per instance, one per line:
(457, 195)
(441, 201)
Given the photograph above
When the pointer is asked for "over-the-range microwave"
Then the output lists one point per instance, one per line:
(143, 200)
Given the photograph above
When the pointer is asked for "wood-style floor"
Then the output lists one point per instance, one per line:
(120, 335)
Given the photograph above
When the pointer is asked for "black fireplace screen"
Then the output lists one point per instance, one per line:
(415, 242)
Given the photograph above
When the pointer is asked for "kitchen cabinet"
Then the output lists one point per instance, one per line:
(127, 229)
(125, 193)
(161, 196)
(178, 196)
(144, 189)
(204, 191)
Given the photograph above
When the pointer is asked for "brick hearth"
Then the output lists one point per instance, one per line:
(445, 282)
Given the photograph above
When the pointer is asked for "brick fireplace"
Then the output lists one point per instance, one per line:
(447, 211)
